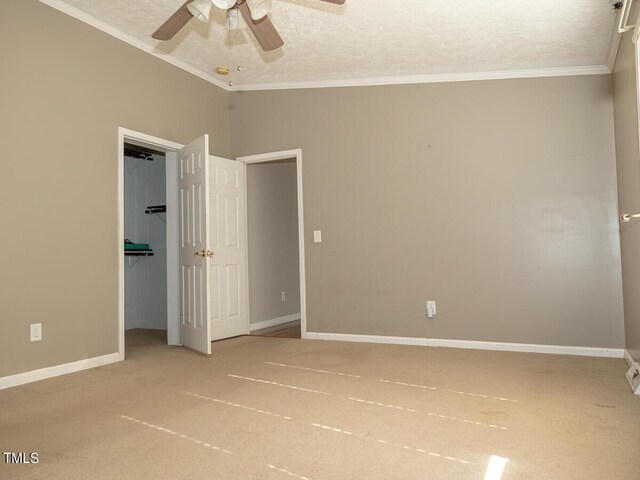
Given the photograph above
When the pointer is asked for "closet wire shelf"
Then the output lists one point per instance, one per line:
(136, 250)
(156, 209)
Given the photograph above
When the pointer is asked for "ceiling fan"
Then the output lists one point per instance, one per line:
(254, 13)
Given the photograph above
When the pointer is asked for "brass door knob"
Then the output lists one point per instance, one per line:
(204, 253)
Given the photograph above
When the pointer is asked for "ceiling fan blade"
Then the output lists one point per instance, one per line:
(337, 2)
(262, 29)
(173, 24)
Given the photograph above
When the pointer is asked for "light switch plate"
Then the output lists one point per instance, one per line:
(317, 236)
(431, 308)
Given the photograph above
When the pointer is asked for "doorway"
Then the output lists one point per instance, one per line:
(133, 266)
(193, 178)
(275, 232)
(272, 227)
(145, 246)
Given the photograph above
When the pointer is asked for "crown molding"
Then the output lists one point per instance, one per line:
(439, 78)
(133, 41)
(355, 82)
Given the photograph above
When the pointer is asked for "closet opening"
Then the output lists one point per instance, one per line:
(145, 247)
(148, 217)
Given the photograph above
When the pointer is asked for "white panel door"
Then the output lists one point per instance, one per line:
(195, 329)
(228, 280)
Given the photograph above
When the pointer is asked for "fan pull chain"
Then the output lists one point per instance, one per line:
(232, 14)
(238, 41)
(237, 49)
(230, 46)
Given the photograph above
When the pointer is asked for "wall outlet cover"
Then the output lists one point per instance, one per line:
(36, 332)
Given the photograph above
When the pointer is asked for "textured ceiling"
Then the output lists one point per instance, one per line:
(379, 38)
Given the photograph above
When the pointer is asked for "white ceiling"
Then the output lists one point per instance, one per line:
(367, 39)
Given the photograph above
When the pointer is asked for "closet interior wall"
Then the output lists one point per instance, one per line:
(145, 277)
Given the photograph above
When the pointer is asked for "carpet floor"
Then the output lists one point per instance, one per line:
(278, 408)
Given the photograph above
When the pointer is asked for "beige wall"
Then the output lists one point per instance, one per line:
(497, 199)
(66, 88)
(628, 161)
(272, 211)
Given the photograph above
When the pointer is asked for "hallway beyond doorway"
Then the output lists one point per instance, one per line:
(284, 330)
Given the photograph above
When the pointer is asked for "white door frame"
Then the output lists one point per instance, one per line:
(173, 296)
(270, 157)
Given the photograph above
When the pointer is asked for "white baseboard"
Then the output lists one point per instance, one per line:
(274, 321)
(342, 337)
(49, 372)
(505, 347)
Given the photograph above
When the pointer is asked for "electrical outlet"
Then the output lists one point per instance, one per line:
(431, 308)
(284, 296)
(36, 332)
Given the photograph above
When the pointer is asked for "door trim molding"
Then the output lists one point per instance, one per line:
(270, 157)
(475, 345)
(167, 146)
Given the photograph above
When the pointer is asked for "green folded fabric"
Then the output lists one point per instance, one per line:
(136, 246)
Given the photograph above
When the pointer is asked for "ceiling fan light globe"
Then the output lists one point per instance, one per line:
(224, 4)
(259, 8)
(200, 9)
